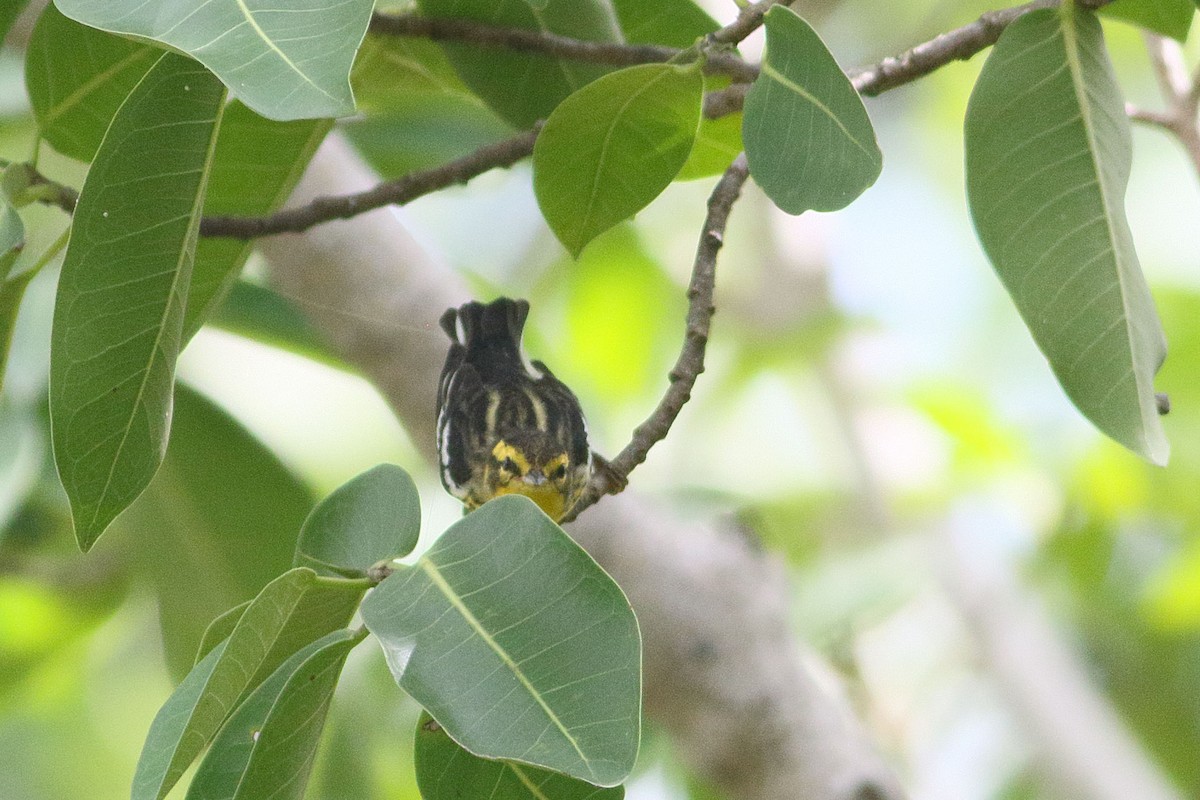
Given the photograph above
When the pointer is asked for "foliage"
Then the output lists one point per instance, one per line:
(190, 118)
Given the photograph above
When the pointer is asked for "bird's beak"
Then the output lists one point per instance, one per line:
(535, 477)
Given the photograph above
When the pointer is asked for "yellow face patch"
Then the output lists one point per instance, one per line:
(548, 497)
(504, 451)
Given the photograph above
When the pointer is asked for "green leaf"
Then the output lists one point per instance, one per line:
(809, 141)
(517, 643)
(674, 23)
(446, 771)
(259, 313)
(613, 146)
(717, 142)
(256, 166)
(12, 237)
(373, 517)
(291, 612)
(216, 525)
(1169, 17)
(12, 291)
(219, 629)
(525, 87)
(119, 312)
(77, 77)
(1047, 162)
(286, 62)
(9, 11)
(268, 746)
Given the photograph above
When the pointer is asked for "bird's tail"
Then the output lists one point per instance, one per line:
(494, 325)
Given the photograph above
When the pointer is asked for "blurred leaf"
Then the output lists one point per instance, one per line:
(22, 451)
(12, 237)
(77, 78)
(394, 69)
(525, 87)
(1151, 675)
(12, 291)
(1173, 601)
(374, 517)
(1047, 161)
(9, 11)
(674, 23)
(268, 746)
(445, 771)
(1169, 17)
(216, 524)
(119, 311)
(257, 164)
(262, 314)
(292, 611)
(613, 146)
(624, 316)
(717, 142)
(287, 63)
(219, 629)
(517, 643)
(424, 131)
(809, 141)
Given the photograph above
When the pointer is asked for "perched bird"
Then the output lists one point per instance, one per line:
(505, 424)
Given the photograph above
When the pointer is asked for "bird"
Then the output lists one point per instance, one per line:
(505, 423)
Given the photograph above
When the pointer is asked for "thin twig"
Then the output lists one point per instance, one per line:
(749, 20)
(1179, 89)
(396, 192)
(615, 54)
(690, 363)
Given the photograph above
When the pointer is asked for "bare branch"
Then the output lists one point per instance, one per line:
(396, 192)
(690, 363)
(615, 54)
(749, 20)
(1180, 90)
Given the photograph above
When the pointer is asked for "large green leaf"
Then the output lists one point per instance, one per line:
(12, 236)
(1169, 17)
(445, 771)
(809, 141)
(525, 87)
(256, 166)
(77, 78)
(1047, 162)
(373, 517)
(216, 525)
(267, 748)
(517, 643)
(674, 23)
(613, 146)
(289, 61)
(119, 313)
(292, 611)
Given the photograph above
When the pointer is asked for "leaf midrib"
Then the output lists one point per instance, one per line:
(184, 253)
(1071, 46)
(439, 581)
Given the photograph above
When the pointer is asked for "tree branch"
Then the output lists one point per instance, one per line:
(1181, 91)
(617, 54)
(396, 192)
(690, 363)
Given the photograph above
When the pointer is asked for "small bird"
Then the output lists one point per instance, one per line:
(505, 424)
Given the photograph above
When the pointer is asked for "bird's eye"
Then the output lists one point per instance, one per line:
(559, 472)
(508, 465)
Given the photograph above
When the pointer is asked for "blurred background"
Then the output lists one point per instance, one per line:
(987, 579)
